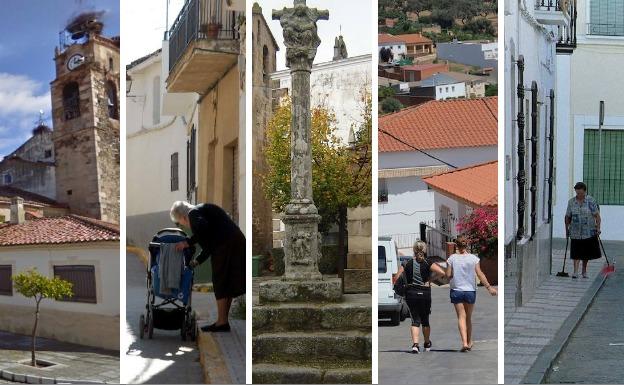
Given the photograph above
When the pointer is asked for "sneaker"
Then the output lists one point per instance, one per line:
(465, 349)
(415, 349)
(574, 276)
(428, 346)
(585, 276)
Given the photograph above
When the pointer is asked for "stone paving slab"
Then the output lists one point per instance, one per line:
(536, 332)
(74, 362)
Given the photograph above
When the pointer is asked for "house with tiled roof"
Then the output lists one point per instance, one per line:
(83, 251)
(413, 46)
(417, 142)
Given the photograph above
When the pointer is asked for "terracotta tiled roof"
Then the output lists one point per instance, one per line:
(57, 230)
(441, 124)
(385, 38)
(8, 192)
(414, 38)
(475, 185)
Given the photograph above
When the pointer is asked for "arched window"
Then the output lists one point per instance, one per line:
(111, 100)
(71, 101)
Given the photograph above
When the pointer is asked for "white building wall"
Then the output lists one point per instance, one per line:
(398, 50)
(339, 86)
(456, 90)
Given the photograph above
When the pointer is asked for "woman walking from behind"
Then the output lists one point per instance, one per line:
(582, 223)
(462, 270)
(418, 273)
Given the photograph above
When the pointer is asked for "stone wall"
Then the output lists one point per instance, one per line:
(264, 62)
(34, 177)
(358, 272)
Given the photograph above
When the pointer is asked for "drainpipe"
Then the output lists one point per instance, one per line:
(551, 171)
(534, 134)
(520, 177)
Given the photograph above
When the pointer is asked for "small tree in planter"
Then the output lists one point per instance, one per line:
(33, 285)
(481, 229)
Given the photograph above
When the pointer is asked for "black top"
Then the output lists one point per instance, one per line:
(419, 277)
(212, 228)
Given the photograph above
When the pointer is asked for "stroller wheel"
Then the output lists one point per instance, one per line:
(150, 326)
(183, 330)
(142, 326)
(193, 330)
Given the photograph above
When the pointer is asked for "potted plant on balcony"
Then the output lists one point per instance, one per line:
(212, 28)
(481, 228)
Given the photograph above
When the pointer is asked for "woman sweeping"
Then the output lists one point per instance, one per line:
(463, 269)
(418, 274)
(221, 239)
(582, 223)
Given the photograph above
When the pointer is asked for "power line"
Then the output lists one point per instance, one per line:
(416, 148)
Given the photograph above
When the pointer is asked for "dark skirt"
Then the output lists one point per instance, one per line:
(585, 249)
(228, 268)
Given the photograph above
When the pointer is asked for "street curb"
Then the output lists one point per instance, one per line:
(211, 360)
(139, 252)
(32, 379)
(550, 352)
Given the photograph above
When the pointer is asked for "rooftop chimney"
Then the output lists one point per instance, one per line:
(17, 211)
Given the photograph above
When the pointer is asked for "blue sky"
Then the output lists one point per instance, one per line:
(29, 31)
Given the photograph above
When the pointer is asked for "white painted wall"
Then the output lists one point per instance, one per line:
(409, 200)
(104, 256)
(595, 71)
(455, 90)
(399, 50)
(337, 85)
(150, 146)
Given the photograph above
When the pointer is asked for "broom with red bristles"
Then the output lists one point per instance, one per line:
(610, 267)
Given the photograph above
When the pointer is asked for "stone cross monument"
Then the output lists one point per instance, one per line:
(302, 246)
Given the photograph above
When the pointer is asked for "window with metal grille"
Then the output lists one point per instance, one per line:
(174, 172)
(604, 173)
(382, 191)
(6, 284)
(606, 17)
(190, 164)
(82, 278)
(71, 101)
(111, 100)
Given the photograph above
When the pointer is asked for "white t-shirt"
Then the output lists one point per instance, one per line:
(464, 275)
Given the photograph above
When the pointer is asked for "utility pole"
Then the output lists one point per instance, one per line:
(600, 124)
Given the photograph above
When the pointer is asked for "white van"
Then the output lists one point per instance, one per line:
(390, 305)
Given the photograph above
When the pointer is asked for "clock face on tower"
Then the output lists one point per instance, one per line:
(75, 61)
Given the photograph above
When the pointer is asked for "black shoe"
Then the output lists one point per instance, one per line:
(214, 328)
(428, 346)
(415, 349)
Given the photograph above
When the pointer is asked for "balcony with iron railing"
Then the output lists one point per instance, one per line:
(561, 15)
(203, 45)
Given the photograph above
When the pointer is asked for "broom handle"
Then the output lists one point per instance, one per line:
(603, 250)
(565, 255)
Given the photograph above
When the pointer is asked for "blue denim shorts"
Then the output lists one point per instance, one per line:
(458, 296)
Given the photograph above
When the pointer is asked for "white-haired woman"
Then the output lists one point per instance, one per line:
(221, 239)
(418, 276)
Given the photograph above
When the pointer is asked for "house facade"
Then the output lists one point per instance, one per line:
(81, 250)
(157, 140)
(478, 54)
(539, 41)
(395, 44)
(425, 140)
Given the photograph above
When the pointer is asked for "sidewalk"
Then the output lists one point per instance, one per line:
(73, 362)
(535, 333)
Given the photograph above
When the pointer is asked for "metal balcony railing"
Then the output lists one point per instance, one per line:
(201, 20)
(566, 33)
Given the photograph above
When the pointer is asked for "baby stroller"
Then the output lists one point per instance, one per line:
(173, 310)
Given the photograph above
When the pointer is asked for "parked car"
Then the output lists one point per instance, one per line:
(390, 305)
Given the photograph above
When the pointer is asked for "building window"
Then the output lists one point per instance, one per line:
(383, 191)
(190, 164)
(47, 154)
(605, 181)
(156, 100)
(71, 101)
(6, 284)
(265, 64)
(111, 65)
(111, 100)
(7, 179)
(453, 88)
(606, 17)
(174, 172)
(82, 278)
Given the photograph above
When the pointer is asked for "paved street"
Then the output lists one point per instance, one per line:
(73, 362)
(166, 359)
(595, 350)
(444, 364)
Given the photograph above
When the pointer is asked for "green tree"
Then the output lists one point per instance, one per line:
(33, 285)
(491, 90)
(386, 92)
(417, 6)
(389, 105)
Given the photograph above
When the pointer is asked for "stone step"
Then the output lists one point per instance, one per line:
(307, 374)
(328, 289)
(359, 261)
(355, 313)
(300, 347)
(358, 281)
